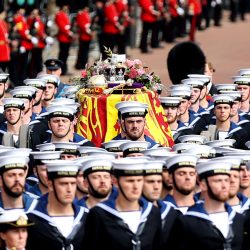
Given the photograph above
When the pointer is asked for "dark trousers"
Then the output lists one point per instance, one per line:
(4, 66)
(217, 14)
(63, 56)
(146, 28)
(171, 29)
(36, 62)
(83, 54)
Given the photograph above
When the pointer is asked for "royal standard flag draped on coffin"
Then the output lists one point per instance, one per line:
(98, 120)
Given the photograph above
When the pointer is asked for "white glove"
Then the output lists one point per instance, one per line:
(49, 40)
(49, 23)
(180, 11)
(22, 50)
(34, 40)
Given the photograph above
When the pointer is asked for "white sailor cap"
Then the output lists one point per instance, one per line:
(61, 168)
(14, 218)
(153, 167)
(23, 152)
(25, 93)
(193, 82)
(243, 154)
(201, 151)
(5, 148)
(220, 151)
(45, 155)
(182, 147)
(241, 80)
(221, 143)
(164, 151)
(182, 87)
(53, 79)
(211, 168)
(134, 147)
(114, 145)
(67, 147)
(61, 111)
(196, 139)
(244, 72)
(205, 78)
(223, 99)
(37, 83)
(84, 150)
(62, 101)
(234, 160)
(128, 110)
(123, 104)
(170, 101)
(29, 88)
(13, 103)
(162, 157)
(46, 147)
(93, 164)
(183, 94)
(225, 87)
(181, 161)
(129, 166)
(3, 77)
(70, 90)
(235, 94)
(101, 154)
(14, 162)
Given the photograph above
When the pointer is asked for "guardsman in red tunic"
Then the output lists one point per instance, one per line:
(149, 17)
(83, 23)
(37, 30)
(4, 43)
(194, 11)
(25, 44)
(64, 35)
(111, 27)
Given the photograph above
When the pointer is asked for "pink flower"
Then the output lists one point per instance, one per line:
(138, 63)
(84, 73)
(129, 63)
(141, 72)
(133, 73)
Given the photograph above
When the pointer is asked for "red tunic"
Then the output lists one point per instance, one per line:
(4, 42)
(111, 19)
(172, 7)
(83, 23)
(22, 29)
(146, 11)
(122, 11)
(37, 27)
(63, 24)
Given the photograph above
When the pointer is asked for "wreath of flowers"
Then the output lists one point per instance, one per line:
(135, 71)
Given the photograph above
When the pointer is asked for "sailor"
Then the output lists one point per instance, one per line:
(137, 223)
(13, 170)
(183, 176)
(59, 223)
(211, 224)
(133, 122)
